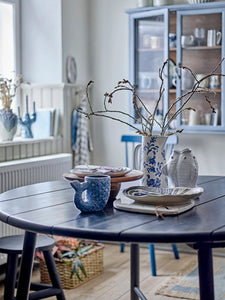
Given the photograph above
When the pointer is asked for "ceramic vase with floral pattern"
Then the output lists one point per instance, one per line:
(8, 124)
(152, 159)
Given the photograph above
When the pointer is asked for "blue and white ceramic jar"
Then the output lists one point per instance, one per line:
(8, 124)
(152, 160)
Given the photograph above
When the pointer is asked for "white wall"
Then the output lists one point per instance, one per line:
(41, 41)
(109, 62)
(75, 37)
(51, 31)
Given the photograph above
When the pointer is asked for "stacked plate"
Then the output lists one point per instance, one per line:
(162, 196)
(85, 170)
(158, 201)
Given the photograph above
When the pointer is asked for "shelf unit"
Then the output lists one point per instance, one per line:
(150, 46)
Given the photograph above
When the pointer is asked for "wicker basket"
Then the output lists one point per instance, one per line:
(93, 264)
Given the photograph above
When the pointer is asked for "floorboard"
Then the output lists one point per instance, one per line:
(113, 284)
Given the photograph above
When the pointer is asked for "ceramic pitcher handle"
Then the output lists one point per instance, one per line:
(136, 156)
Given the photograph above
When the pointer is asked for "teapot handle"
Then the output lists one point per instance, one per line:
(136, 156)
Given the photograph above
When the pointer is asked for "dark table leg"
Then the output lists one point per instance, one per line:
(205, 270)
(135, 292)
(26, 265)
(134, 270)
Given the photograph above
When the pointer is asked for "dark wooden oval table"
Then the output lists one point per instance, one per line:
(48, 208)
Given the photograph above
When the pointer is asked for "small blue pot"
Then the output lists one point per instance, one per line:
(97, 190)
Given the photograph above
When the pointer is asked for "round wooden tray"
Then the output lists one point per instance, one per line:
(115, 181)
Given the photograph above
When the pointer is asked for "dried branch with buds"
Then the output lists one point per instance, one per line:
(8, 89)
(144, 117)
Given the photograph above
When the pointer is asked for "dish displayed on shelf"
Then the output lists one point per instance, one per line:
(71, 70)
(162, 196)
(85, 170)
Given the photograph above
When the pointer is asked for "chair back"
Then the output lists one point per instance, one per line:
(132, 140)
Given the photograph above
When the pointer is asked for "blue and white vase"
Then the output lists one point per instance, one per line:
(152, 160)
(8, 124)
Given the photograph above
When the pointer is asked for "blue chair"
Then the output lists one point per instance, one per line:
(130, 143)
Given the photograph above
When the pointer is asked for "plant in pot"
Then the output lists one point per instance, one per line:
(153, 150)
(77, 261)
(8, 120)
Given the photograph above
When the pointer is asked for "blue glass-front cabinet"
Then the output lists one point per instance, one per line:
(186, 35)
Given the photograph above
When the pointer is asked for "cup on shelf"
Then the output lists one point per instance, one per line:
(213, 37)
(186, 80)
(144, 81)
(187, 40)
(172, 40)
(146, 40)
(214, 82)
(156, 42)
(172, 81)
(208, 117)
(194, 118)
(204, 83)
(148, 80)
(199, 34)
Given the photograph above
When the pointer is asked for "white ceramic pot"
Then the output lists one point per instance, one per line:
(181, 169)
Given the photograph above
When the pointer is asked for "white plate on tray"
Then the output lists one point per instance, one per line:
(162, 196)
(85, 170)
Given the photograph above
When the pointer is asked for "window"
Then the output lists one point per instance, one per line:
(9, 48)
(7, 61)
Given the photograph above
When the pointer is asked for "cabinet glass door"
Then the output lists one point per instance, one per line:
(200, 40)
(151, 50)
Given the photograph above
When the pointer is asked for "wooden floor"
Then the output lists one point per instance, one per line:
(113, 284)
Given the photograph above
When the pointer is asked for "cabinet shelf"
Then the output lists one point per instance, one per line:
(195, 48)
(147, 91)
(149, 49)
(211, 91)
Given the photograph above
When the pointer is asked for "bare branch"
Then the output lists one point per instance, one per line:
(144, 117)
